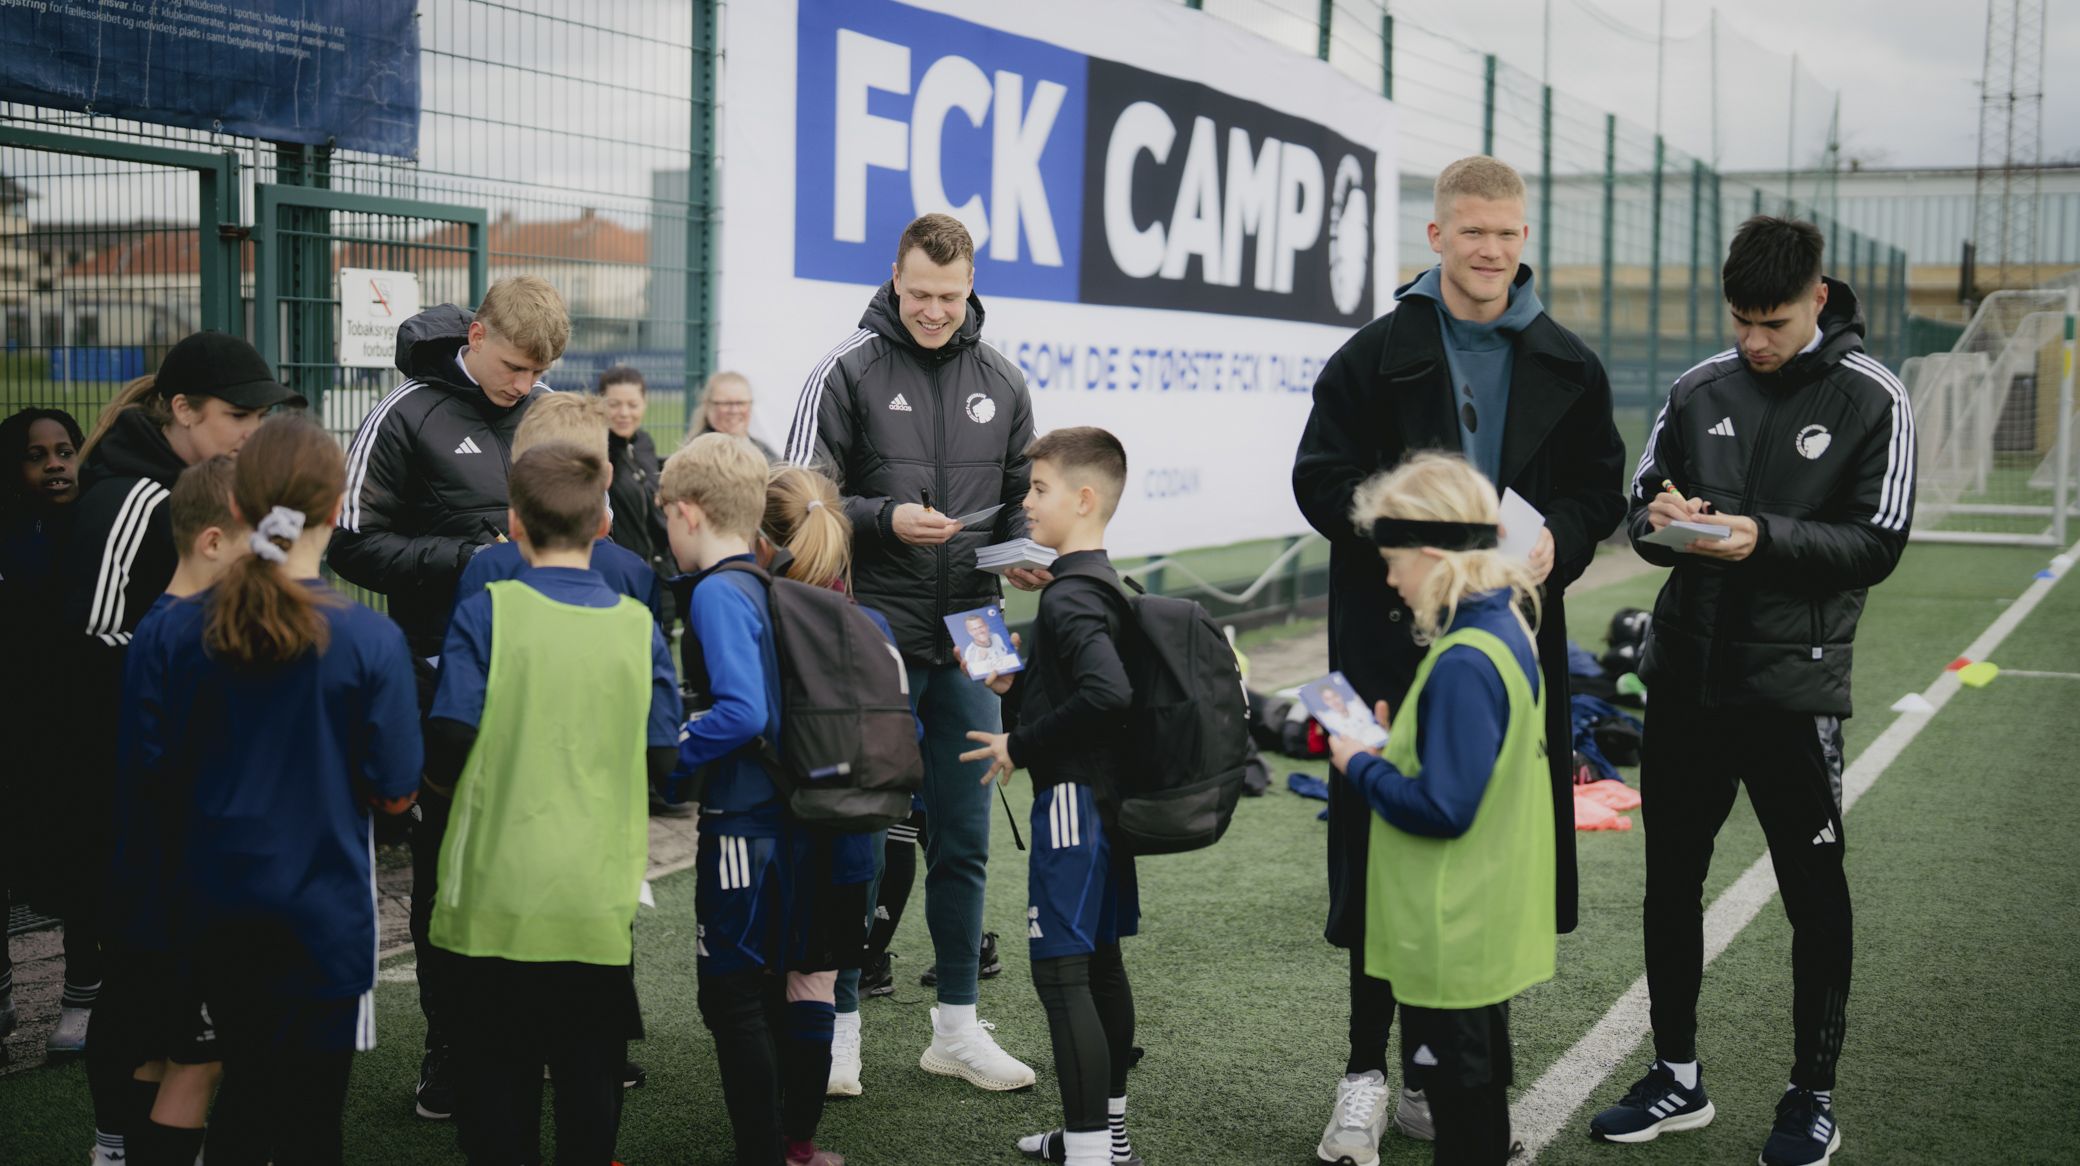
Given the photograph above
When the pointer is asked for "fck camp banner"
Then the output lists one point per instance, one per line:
(1177, 222)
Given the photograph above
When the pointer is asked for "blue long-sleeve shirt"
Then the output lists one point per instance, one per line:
(1462, 716)
(727, 615)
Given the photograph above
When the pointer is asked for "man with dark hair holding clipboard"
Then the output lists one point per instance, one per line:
(1801, 447)
(1467, 362)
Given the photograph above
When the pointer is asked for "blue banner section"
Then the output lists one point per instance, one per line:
(900, 111)
(315, 72)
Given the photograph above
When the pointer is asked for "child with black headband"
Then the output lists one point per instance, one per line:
(1459, 906)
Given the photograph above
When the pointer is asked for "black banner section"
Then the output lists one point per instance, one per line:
(1198, 201)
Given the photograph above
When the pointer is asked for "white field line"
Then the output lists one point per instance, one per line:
(1541, 1114)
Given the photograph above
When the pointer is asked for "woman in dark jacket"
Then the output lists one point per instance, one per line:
(638, 525)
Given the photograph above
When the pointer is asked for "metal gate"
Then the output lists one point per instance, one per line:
(110, 251)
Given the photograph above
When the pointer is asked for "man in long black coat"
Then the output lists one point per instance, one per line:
(1467, 362)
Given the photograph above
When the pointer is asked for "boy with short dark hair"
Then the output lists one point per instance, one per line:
(1070, 733)
(558, 705)
(755, 905)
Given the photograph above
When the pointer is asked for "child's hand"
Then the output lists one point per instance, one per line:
(996, 749)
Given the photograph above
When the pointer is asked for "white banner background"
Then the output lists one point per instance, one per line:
(1207, 466)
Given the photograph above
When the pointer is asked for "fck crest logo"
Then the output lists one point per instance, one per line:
(1813, 441)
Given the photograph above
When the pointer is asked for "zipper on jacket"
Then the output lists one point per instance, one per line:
(1813, 614)
(940, 556)
(1719, 626)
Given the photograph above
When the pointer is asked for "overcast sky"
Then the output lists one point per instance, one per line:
(1907, 70)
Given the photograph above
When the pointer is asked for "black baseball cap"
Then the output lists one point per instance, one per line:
(218, 364)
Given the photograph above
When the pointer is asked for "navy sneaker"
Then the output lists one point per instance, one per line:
(1805, 1133)
(1656, 1104)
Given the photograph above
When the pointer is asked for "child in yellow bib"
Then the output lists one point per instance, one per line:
(1459, 895)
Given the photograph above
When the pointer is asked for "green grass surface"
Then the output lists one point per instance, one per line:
(1961, 1043)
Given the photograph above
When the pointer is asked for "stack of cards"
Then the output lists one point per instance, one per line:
(998, 558)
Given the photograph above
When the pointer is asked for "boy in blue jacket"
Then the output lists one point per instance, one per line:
(750, 867)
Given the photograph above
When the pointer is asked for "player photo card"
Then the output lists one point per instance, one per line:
(1333, 703)
(983, 643)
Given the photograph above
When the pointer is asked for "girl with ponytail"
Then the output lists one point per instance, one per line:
(1460, 871)
(806, 518)
(288, 712)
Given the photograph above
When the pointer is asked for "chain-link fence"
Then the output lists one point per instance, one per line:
(570, 131)
(577, 142)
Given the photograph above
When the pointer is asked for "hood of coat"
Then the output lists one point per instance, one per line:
(1524, 305)
(427, 344)
(1841, 332)
(884, 318)
(133, 447)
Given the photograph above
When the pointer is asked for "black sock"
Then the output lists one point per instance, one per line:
(734, 1007)
(152, 1144)
(1082, 1055)
(1115, 1000)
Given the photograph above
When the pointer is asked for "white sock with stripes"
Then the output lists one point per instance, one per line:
(1116, 1121)
(1685, 1071)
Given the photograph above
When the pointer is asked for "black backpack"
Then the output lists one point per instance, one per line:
(847, 758)
(1189, 742)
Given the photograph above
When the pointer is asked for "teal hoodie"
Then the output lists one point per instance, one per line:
(1480, 357)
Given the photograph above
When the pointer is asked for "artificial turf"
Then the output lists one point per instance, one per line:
(1961, 1044)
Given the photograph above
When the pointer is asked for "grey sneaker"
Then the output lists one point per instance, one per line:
(1352, 1138)
(69, 1039)
(1412, 1116)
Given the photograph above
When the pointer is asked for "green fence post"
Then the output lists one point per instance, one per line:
(1610, 226)
(700, 206)
(1696, 349)
(1901, 310)
(1321, 46)
(303, 259)
(1718, 247)
(1654, 274)
(1545, 187)
(1386, 55)
(1758, 202)
(1488, 105)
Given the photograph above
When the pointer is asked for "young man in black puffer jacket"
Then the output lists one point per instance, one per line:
(1803, 445)
(426, 490)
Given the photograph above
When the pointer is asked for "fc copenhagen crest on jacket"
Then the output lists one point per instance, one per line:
(1813, 441)
(982, 408)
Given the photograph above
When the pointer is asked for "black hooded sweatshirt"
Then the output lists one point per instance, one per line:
(891, 423)
(426, 480)
(121, 558)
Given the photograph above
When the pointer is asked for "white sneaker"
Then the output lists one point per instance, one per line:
(973, 1054)
(70, 1037)
(1412, 1116)
(103, 1156)
(844, 1056)
(1352, 1138)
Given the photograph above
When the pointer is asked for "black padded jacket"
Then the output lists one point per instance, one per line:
(891, 423)
(426, 480)
(1821, 456)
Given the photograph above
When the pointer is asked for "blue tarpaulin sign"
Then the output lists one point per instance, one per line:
(316, 72)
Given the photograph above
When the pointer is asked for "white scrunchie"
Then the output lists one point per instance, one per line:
(282, 523)
(815, 504)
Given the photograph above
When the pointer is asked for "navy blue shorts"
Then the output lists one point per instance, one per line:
(786, 903)
(1080, 893)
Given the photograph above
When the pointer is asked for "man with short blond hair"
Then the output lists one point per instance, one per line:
(922, 424)
(426, 490)
(1468, 362)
